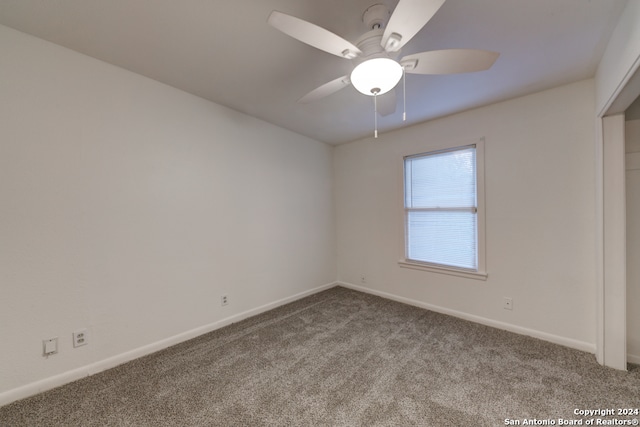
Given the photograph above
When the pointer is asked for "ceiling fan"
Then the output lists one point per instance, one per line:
(375, 54)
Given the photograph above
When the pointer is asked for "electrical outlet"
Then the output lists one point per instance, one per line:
(224, 300)
(508, 303)
(80, 338)
(49, 346)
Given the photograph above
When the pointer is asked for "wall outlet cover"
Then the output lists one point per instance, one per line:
(80, 338)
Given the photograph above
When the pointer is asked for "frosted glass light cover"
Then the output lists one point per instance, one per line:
(381, 73)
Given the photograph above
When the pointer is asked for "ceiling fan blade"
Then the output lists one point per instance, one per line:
(387, 103)
(407, 19)
(449, 61)
(326, 89)
(313, 35)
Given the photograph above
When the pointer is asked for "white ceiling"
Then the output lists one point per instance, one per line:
(226, 52)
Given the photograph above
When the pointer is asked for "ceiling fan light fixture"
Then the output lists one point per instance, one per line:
(376, 76)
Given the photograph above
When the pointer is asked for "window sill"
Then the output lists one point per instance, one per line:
(443, 270)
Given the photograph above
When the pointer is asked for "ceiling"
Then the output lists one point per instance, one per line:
(226, 52)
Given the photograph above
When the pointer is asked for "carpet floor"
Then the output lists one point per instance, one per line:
(344, 358)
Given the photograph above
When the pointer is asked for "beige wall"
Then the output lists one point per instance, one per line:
(129, 207)
(620, 57)
(616, 86)
(632, 136)
(540, 199)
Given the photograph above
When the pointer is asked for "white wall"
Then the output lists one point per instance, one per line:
(617, 84)
(632, 135)
(540, 209)
(128, 207)
(620, 60)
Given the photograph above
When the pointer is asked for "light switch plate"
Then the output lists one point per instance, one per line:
(50, 346)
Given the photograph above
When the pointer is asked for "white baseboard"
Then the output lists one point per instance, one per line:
(111, 362)
(632, 358)
(567, 342)
(94, 368)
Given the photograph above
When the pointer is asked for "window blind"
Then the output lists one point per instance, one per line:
(441, 208)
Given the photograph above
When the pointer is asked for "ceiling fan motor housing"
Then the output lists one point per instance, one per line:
(369, 44)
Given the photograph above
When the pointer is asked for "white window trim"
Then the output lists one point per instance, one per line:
(481, 273)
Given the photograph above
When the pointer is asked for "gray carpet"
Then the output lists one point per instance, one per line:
(341, 358)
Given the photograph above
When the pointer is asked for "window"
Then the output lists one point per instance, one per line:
(443, 215)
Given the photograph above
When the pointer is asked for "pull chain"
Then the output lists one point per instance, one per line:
(375, 114)
(404, 95)
(375, 92)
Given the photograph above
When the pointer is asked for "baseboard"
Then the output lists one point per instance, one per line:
(111, 362)
(632, 358)
(567, 342)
